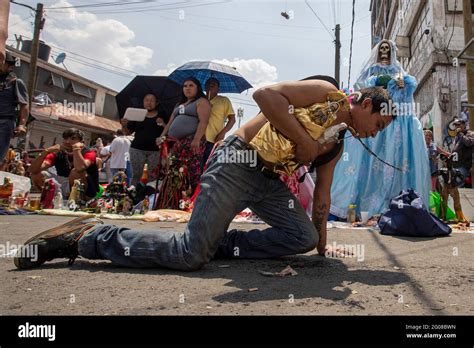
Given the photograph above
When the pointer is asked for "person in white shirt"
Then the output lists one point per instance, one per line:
(119, 155)
(103, 154)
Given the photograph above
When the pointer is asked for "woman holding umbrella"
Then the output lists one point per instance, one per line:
(185, 135)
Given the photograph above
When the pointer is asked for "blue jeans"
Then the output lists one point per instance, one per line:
(226, 189)
(7, 125)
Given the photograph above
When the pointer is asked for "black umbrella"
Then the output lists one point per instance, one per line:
(167, 91)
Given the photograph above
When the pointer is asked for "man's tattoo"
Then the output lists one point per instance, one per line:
(319, 214)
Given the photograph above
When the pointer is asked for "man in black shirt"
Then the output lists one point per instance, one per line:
(12, 93)
(143, 148)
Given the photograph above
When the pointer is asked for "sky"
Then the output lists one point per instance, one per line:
(112, 41)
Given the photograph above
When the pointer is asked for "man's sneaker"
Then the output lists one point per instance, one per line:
(58, 242)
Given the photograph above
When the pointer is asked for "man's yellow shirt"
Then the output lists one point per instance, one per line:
(221, 109)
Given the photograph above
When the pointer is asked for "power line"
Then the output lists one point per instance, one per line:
(20, 4)
(241, 103)
(255, 22)
(61, 49)
(95, 60)
(319, 19)
(106, 67)
(21, 20)
(110, 71)
(101, 4)
(352, 39)
(96, 66)
(242, 31)
(357, 21)
(156, 8)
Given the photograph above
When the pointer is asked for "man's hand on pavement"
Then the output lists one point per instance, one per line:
(338, 251)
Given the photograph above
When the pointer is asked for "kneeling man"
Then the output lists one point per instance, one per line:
(294, 115)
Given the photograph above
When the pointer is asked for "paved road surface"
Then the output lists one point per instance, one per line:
(399, 276)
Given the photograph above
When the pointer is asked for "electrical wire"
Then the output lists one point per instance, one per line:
(24, 5)
(242, 31)
(352, 40)
(101, 4)
(21, 20)
(319, 19)
(254, 22)
(107, 65)
(103, 67)
(156, 8)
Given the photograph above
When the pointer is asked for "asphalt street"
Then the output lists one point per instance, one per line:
(389, 275)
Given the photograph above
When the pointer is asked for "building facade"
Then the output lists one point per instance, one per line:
(429, 34)
(63, 100)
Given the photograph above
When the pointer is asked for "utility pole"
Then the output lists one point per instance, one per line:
(34, 51)
(240, 115)
(337, 63)
(467, 14)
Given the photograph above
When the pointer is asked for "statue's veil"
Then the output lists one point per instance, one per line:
(394, 68)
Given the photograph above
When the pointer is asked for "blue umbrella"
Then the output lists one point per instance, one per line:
(229, 79)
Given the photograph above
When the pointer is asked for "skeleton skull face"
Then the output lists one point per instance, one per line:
(384, 52)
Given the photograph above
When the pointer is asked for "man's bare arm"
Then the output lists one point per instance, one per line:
(4, 12)
(277, 102)
(230, 123)
(322, 200)
(251, 128)
(39, 164)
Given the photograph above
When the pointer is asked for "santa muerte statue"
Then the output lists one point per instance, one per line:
(362, 179)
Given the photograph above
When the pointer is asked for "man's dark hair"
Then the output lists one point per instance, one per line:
(73, 132)
(379, 96)
(153, 94)
(119, 132)
(213, 79)
(324, 78)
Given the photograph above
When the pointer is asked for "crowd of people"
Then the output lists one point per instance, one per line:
(456, 170)
(172, 149)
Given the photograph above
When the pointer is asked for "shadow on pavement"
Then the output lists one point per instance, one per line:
(318, 277)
